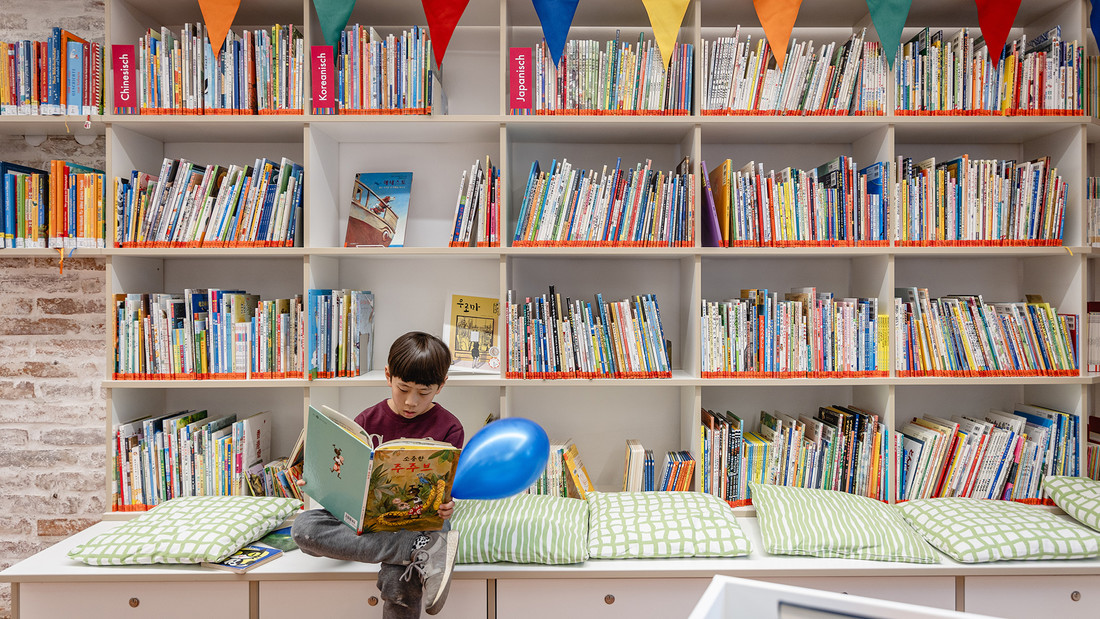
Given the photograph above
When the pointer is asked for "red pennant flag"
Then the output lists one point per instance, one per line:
(218, 15)
(443, 16)
(777, 17)
(995, 18)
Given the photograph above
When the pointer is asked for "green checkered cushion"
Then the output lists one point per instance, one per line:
(526, 528)
(187, 530)
(827, 523)
(1077, 496)
(662, 524)
(980, 530)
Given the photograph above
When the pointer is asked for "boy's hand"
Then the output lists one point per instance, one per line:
(300, 481)
(447, 509)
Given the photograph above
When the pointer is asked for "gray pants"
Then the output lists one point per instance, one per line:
(320, 534)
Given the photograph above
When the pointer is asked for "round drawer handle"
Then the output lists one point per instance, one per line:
(372, 600)
(608, 599)
(1075, 596)
(134, 602)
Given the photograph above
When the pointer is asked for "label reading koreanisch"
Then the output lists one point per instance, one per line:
(324, 80)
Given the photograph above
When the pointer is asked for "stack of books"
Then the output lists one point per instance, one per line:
(619, 78)
(61, 75)
(834, 204)
(341, 332)
(192, 205)
(962, 335)
(477, 208)
(979, 202)
(384, 75)
(63, 207)
(207, 334)
(623, 207)
(843, 448)
(255, 72)
(807, 333)
(991, 455)
(739, 77)
(554, 337)
(192, 453)
(956, 75)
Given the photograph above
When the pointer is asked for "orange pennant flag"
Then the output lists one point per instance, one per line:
(666, 16)
(218, 15)
(777, 17)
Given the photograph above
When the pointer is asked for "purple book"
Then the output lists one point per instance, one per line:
(711, 235)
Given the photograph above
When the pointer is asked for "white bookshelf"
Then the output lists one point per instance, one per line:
(412, 283)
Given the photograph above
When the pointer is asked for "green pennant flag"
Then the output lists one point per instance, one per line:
(333, 16)
(889, 19)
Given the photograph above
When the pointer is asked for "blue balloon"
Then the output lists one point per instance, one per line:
(503, 459)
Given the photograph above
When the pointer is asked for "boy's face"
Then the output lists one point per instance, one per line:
(410, 399)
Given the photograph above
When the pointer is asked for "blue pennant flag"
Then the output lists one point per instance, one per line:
(556, 16)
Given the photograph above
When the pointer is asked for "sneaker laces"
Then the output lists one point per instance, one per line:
(419, 564)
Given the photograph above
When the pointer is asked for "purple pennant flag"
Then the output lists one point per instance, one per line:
(556, 16)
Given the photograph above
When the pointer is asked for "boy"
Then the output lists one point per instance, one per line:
(415, 566)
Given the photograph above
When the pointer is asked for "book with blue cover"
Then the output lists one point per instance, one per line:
(379, 209)
(396, 485)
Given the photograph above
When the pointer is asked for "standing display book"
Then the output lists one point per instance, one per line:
(472, 332)
(379, 209)
(398, 485)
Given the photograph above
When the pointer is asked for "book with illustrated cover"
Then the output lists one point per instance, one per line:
(379, 209)
(471, 330)
(397, 485)
(578, 483)
(245, 559)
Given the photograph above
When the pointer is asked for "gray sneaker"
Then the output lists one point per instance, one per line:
(435, 562)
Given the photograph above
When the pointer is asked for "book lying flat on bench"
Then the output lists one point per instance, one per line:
(245, 559)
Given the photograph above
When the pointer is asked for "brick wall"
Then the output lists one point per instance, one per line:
(52, 409)
(52, 445)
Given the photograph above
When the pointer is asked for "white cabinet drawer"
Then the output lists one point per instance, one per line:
(1064, 597)
(934, 591)
(133, 600)
(358, 598)
(598, 597)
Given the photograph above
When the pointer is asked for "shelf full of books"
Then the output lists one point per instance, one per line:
(620, 260)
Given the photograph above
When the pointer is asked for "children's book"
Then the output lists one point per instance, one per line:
(578, 483)
(396, 485)
(471, 331)
(245, 559)
(379, 209)
(280, 538)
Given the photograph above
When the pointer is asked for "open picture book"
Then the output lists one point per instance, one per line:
(391, 486)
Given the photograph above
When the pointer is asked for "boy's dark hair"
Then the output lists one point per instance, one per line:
(420, 358)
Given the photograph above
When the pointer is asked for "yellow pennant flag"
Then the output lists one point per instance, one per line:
(777, 17)
(218, 15)
(666, 16)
